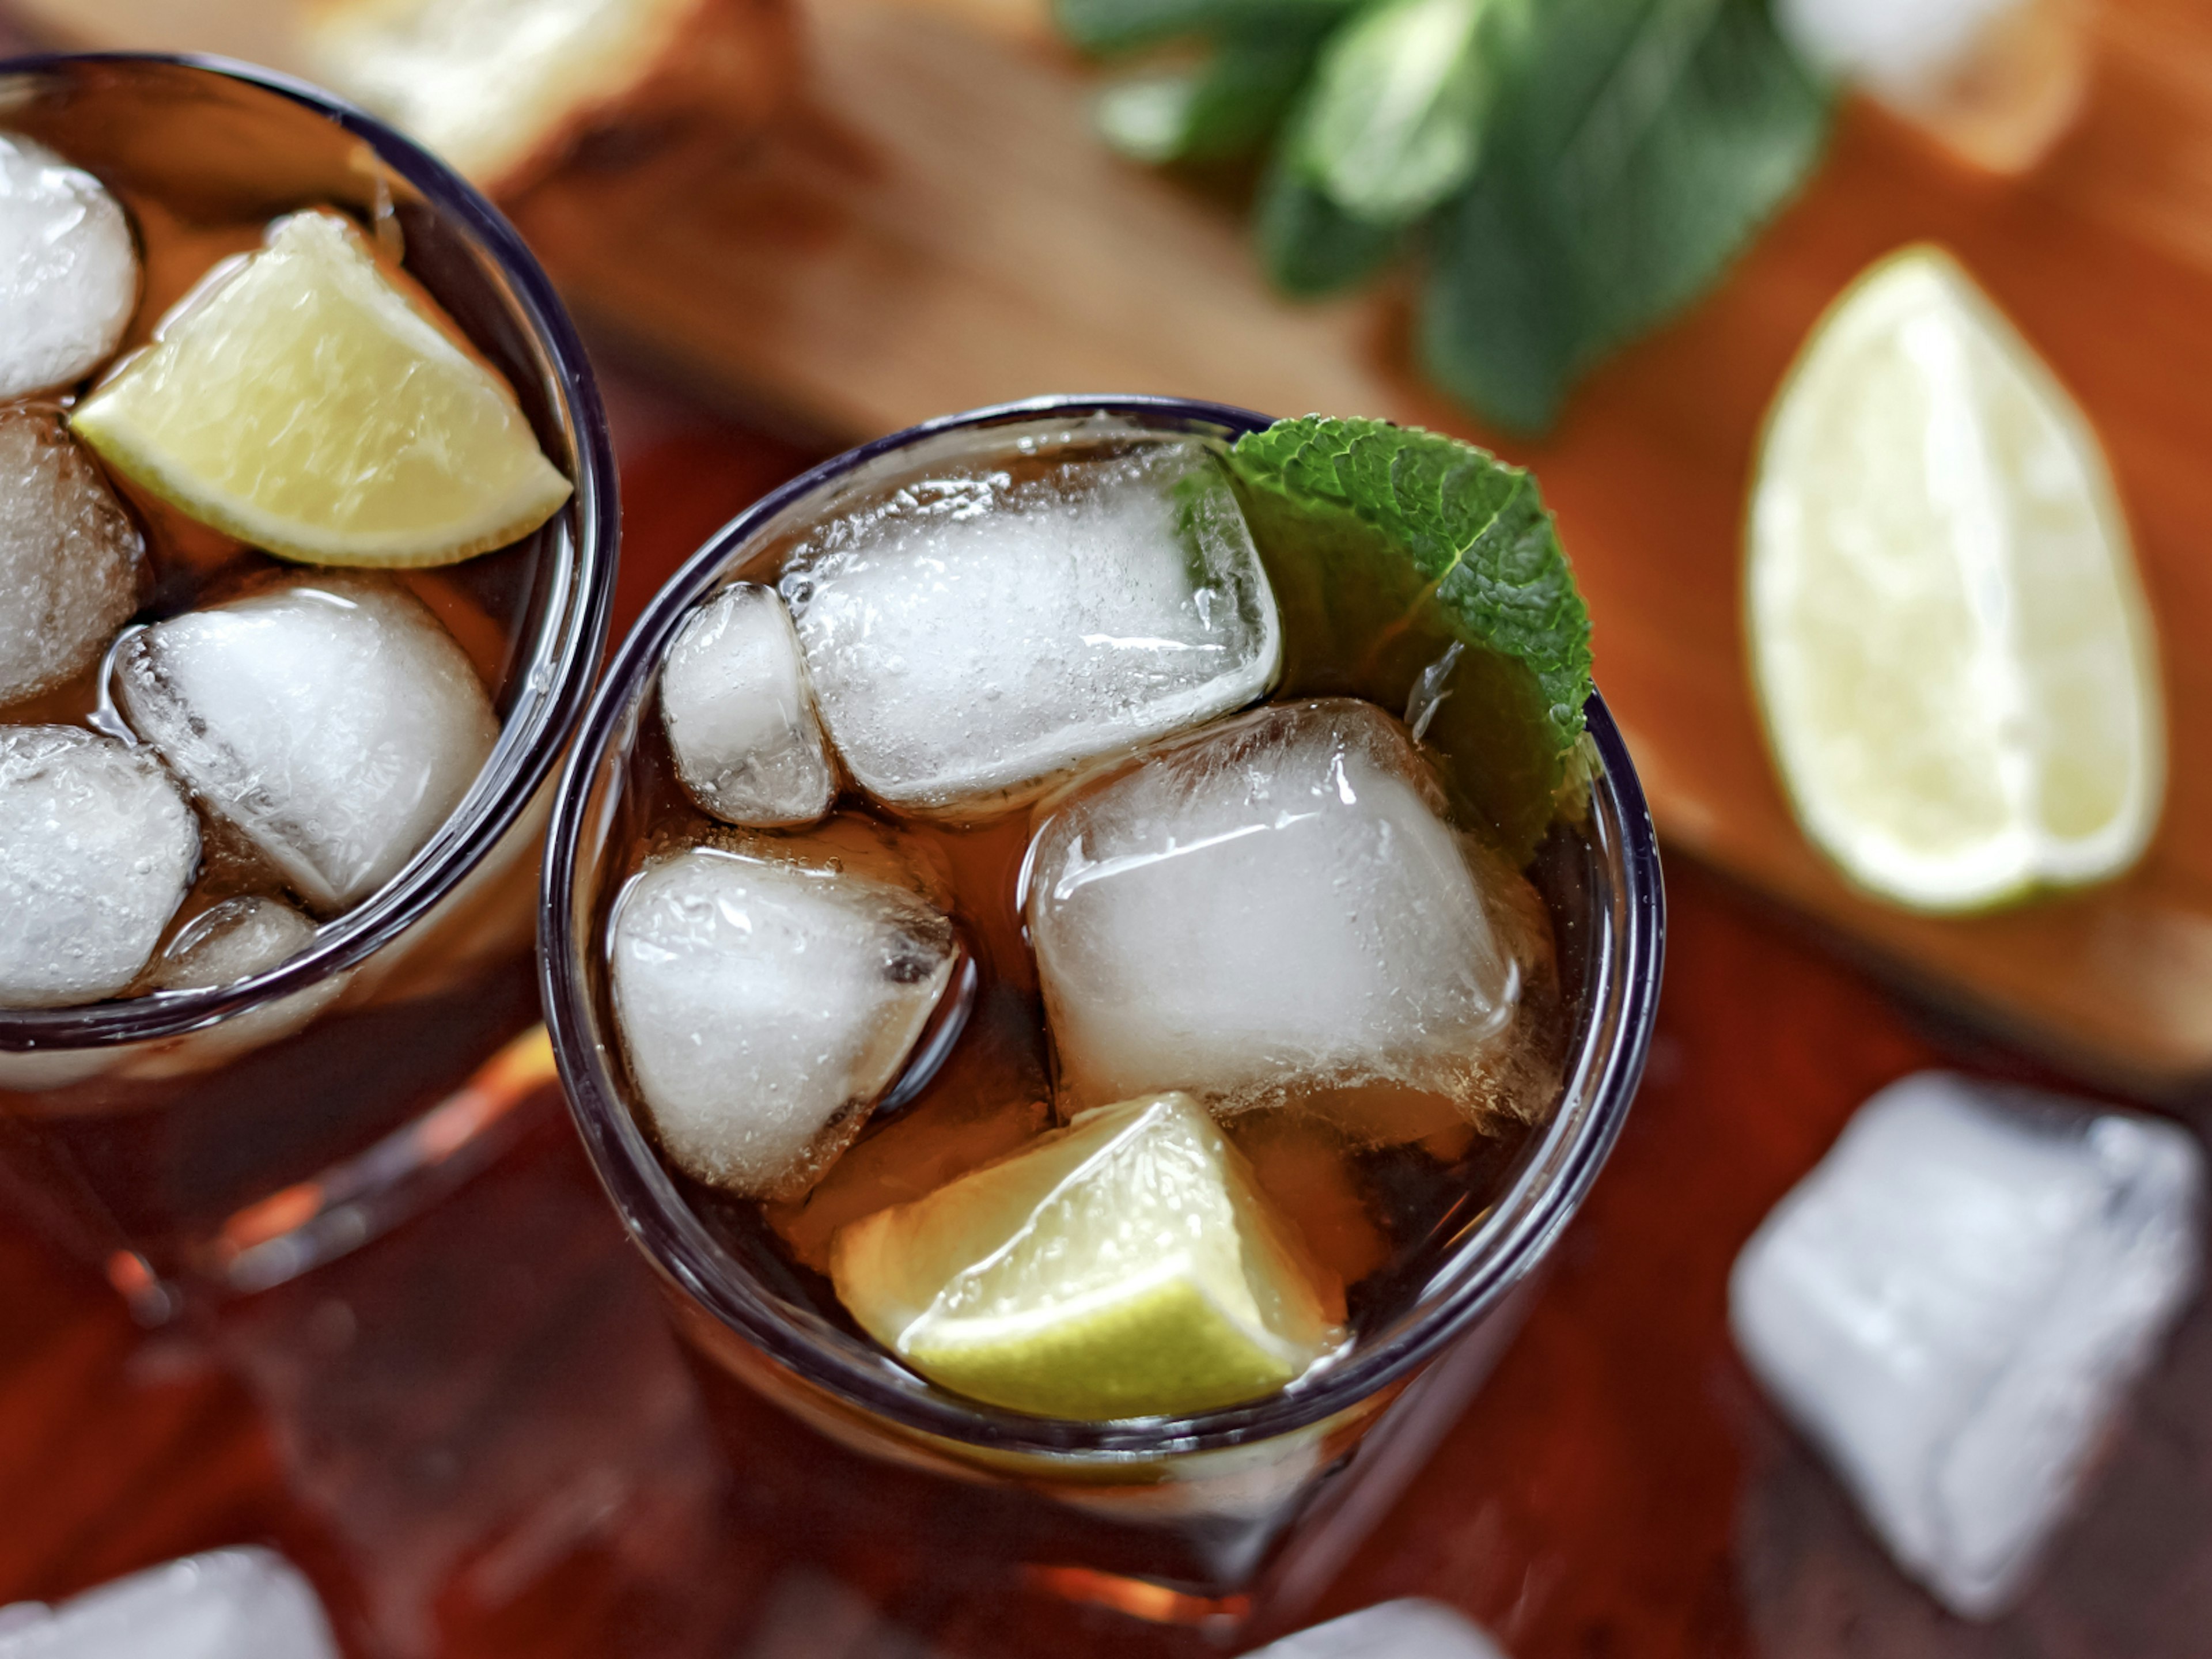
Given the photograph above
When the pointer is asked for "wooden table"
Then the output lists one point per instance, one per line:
(477, 1440)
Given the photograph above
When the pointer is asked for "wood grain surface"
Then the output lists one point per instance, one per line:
(932, 226)
(477, 1437)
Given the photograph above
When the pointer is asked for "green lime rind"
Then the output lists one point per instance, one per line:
(1384, 543)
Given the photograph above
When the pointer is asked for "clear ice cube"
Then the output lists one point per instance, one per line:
(741, 716)
(333, 720)
(247, 1603)
(69, 556)
(764, 1004)
(1273, 905)
(1954, 1302)
(230, 941)
(1412, 1628)
(97, 847)
(975, 637)
(68, 269)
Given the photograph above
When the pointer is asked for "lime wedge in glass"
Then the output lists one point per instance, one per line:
(1949, 640)
(1123, 1267)
(306, 403)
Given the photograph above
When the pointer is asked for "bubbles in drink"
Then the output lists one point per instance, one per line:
(740, 715)
(1275, 908)
(977, 633)
(333, 722)
(68, 269)
(765, 1004)
(69, 556)
(97, 847)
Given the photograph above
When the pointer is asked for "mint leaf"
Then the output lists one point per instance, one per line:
(1386, 546)
(1309, 247)
(1395, 120)
(1109, 26)
(1635, 146)
(1228, 106)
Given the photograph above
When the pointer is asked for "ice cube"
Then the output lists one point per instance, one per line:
(69, 556)
(333, 720)
(1274, 904)
(1952, 1305)
(739, 714)
(68, 269)
(247, 1603)
(1408, 1629)
(975, 637)
(764, 1004)
(231, 941)
(97, 847)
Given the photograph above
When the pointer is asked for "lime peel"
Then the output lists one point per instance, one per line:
(304, 403)
(1950, 641)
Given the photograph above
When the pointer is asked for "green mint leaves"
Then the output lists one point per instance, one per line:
(1639, 146)
(1387, 547)
(1569, 173)
(1394, 123)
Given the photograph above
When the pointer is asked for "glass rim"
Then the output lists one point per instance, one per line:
(1605, 1067)
(556, 678)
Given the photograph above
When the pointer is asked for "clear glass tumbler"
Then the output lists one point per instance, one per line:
(1209, 1519)
(226, 1138)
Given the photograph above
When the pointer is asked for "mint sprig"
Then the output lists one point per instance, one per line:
(1385, 545)
(1570, 173)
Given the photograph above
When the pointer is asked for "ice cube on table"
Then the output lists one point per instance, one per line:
(68, 269)
(97, 847)
(763, 1005)
(69, 556)
(333, 720)
(1955, 1302)
(739, 714)
(247, 1603)
(975, 637)
(1271, 905)
(1412, 1628)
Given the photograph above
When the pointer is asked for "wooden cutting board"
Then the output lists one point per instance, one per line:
(933, 227)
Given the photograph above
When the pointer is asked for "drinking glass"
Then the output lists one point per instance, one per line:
(1202, 1520)
(225, 1139)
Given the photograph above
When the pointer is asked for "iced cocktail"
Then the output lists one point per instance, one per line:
(308, 533)
(1094, 965)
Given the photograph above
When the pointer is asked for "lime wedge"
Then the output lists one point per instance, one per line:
(1948, 637)
(1123, 1267)
(305, 403)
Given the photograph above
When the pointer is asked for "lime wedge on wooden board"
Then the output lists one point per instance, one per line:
(1949, 640)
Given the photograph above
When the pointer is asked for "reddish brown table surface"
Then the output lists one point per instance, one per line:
(476, 1438)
